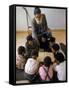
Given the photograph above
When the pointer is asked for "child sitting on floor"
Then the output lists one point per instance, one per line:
(31, 45)
(20, 58)
(56, 49)
(53, 44)
(60, 67)
(32, 66)
(46, 70)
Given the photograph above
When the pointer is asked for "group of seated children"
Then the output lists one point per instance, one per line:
(41, 71)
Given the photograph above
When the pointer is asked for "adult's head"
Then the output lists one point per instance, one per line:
(37, 12)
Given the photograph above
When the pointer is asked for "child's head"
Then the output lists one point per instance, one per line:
(59, 57)
(52, 39)
(34, 54)
(21, 50)
(47, 61)
(55, 48)
(29, 39)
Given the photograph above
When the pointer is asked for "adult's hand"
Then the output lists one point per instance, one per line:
(43, 39)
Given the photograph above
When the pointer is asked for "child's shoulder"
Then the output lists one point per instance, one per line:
(42, 66)
(41, 63)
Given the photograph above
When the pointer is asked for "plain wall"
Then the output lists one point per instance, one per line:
(56, 18)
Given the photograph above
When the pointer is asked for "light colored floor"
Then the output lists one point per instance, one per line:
(60, 36)
(22, 81)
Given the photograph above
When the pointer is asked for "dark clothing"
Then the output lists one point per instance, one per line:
(32, 78)
(63, 48)
(29, 48)
(29, 77)
(42, 27)
(19, 74)
(56, 54)
(41, 30)
(45, 45)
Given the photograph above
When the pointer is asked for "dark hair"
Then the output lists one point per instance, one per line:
(59, 57)
(47, 61)
(34, 53)
(37, 10)
(55, 47)
(29, 37)
(41, 63)
(45, 35)
(52, 39)
(21, 49)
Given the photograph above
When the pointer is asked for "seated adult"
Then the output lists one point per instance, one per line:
(40, 32)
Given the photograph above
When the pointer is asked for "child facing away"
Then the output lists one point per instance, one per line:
(20, 58)
(31, 45)
(60, 67)
(31, 66)
(46, 70)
